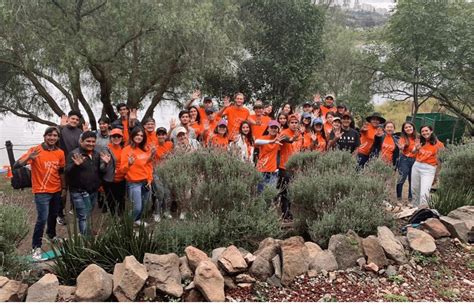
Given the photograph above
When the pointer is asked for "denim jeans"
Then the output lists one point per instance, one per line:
(422, 178)
(115, 195)
(405, 165)
(138, 194)
(269, 178)
(47, 208)
(83, 206)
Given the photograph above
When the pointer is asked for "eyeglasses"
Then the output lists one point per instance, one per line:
(115, 136)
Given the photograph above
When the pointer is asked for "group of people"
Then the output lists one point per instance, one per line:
(105, 166)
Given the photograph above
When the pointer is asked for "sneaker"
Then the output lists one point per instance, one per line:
(37, 254)
(157, 218)
(182, 216)
(167, 215)
(61, 221)
(139, 223)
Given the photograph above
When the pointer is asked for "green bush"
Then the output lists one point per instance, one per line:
(331, 161)
(13, 229)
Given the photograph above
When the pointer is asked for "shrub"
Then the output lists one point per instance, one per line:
(307, 162)
(13, 229)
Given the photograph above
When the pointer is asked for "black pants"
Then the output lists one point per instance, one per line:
(115, 195)
(284, 178)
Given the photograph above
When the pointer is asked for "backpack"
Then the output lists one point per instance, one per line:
(21, 178)
(422, 215)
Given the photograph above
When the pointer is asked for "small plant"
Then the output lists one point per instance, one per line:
(448, 293)
(395, 298)
(396, 279)
(425, 260)
(470, 265)
(260, 292)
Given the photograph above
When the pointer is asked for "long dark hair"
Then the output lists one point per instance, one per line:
(433, 139)
(323, 133)
(291, 108)
(198, 116)
(249, 136)
(278, 118)
(216, 130)
(404, 135)
(135, 132)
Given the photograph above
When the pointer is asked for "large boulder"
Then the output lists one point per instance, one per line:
(209, 281)
(346, 248)
(374, 251)
(195, 256)
(391, 245)
(44, 290)
(164, 273)
(66, 293)
(93, 285)
(129, 278)
(435, 228)
(421, 241)
(456, 227)
(268, 248)
(232, 260)
(323, 261)
(295, 259)
(464, 213)
(313, 249)
(184, 269)
(261, 268)
(12, 290)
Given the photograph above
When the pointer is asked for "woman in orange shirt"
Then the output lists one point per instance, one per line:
(136, 164)
(196, 122)
(306, 131)
(114, 187)
(318, 137)
(220, 139)
(406, 145)
(282, 119)
(328, 123)
(368, 132)
(389, 147)
(426, 166)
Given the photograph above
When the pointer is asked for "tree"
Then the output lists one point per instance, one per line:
(133, 51)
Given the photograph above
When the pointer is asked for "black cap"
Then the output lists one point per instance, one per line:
(161, 129)
(206, 98)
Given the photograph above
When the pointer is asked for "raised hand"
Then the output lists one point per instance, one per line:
(417, 143)
(314, 138)
(133, 114)
(63, 121)
(338, 134)
(34, 154)
(131, 160)
(78, 159)
(278, 139)
(317, 97)
(105, 157)
(172, 124)
(85, 127)
(196, 94)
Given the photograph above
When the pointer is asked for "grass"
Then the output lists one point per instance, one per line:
(397, 279)
(448, 293)
(395, 298)
(470, 265)
(425, 260)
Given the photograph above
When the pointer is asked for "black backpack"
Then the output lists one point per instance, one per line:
(21, 178)
(422, 215)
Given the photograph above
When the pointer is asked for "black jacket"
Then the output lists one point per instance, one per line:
(377, 148)
(87, 176)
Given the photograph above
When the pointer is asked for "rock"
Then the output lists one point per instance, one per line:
(129, 278)
(403, 240)
(244, 285)
(195, 256)
(421, 241)
(243, 251)
(194, 296)
(346, 249)
(392, 247)
(244, 278)
(361, 262)
(191, 285)
(324, 261)
(313, 249)
(249, 258)
(209, 281)
(435, 228)
(232, 260)
(332, 276)
(261, 268)
(66, 293)
(312, 273)
(93, 285)
(464, 213)
(276, 262)
(149, 293)
(391, 271)
(468, 282)
(456, 227)
(216, 253)
(185, 271)
(229, 283)
(295, 259)
(371, 267)
(268, 249)
(12, 290)
(163, 271)
(374, 251)
(274, 281)
(44, 290)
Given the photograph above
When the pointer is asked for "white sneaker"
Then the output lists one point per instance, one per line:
(182, 216)
(139, 223)
(157, 217)
(37, 254)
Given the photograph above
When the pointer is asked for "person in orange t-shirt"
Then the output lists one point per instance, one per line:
(328, 106)
(136, 164)
(115, 189)
(219, 138)
(389, 151)
(426, 167)
(258, 121)
(368, 134)
(149, 125)
(47, 163)
(406, 145)
(306, 130)
(328, 122)
(210, 124)
(196, 121)
(318, 137)
(235, 114)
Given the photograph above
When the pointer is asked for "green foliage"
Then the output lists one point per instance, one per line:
(425, 260)
(398, 279)
(395, 298)
(307, 162)
(13, 229)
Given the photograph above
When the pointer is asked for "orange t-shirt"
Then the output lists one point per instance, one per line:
(327, 128)
(198, 129)
(235, 116)
(325, 110)
(288, 149)
(258, 130)
(202, 113)
(125, 131)
(428, 153)
(117, 152)
(219, 141)
(207, 134)
(151, 139)
(306, 146)
(321, 146)
(163, 149)
(141, 169)
(407, 150)
(367, 140)
(267, 157)
(388, 146)
(45, 167)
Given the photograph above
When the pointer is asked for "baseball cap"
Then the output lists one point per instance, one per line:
(161, 130)
(293, 117)
(206, 99)
(306, 115)
(116, 131)
(336, 119)
(307, 104)
(329, 96)
(317, 121)
(180, 130)
(257, 105)
(222, 122)
(274, 123)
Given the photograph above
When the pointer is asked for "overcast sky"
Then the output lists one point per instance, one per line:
(387, 4)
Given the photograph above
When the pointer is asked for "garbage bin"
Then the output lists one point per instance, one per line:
(448, 129)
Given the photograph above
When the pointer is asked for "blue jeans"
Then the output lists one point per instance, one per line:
(47, 208)
(83, 206)
(405, 165)
(362, 160)
(139, 195)
(269, 178)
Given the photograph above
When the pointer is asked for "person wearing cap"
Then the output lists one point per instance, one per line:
(368, 133)
(318, 136)
(210, 124)
(244, 145)
(219, 138)
(306, 119)
(184, 121)
(236, 113)
(149, 125)
(194, 101)
(47, 163)
(259, 121)
(328, 106)
(307, 107)
(347, 138)
(269, 146)
(183, 142)
(341, 109)
(114, 186)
